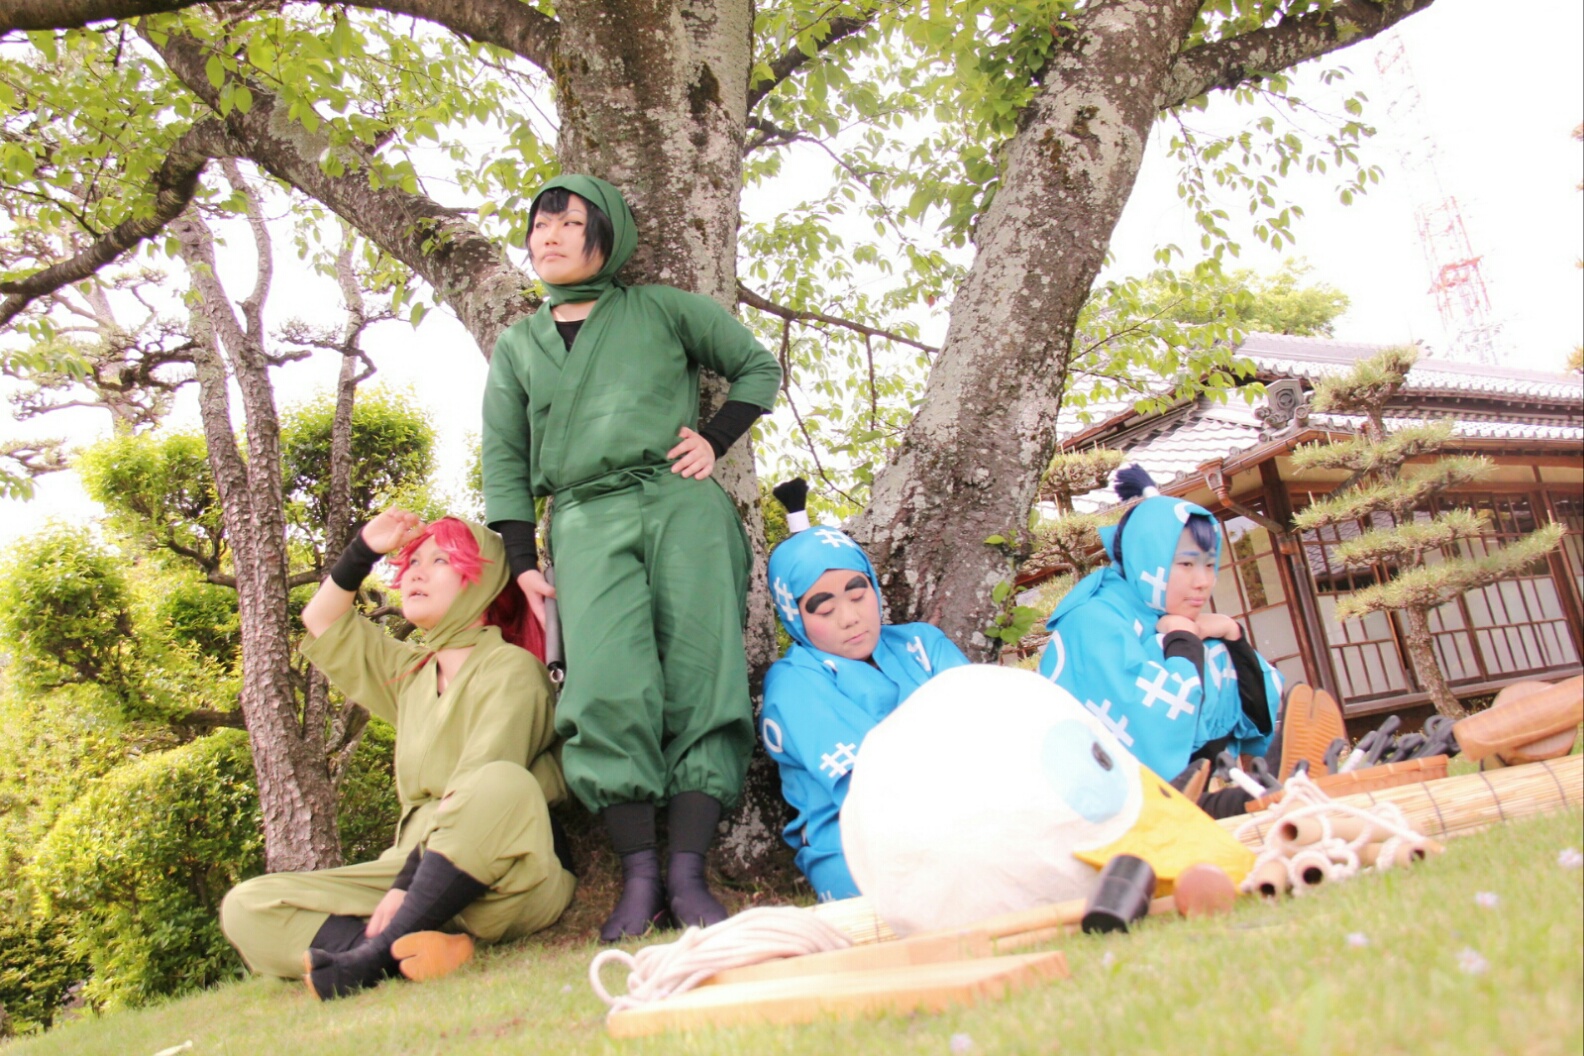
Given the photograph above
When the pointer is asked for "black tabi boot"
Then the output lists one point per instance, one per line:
(439, 892)
(642, 903)
(339, 934)
(691, 819)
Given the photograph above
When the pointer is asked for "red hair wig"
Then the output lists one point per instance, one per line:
(509, 611)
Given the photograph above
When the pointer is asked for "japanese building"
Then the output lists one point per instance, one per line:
(1233, 459)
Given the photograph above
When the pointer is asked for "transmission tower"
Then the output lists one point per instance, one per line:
(1456, 280)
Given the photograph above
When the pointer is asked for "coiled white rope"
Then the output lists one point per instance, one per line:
(1334, 857)
(750, 937)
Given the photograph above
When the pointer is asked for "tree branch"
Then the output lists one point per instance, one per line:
(508, 24)
(786, 389)
(36, 457)
(1228, 63)
(770, 135)
(203, 720)
(467, 270)
(174, 186)
(794, 315)
(794, 58)
(74, 14)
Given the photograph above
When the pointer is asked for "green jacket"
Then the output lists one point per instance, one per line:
(555, 419)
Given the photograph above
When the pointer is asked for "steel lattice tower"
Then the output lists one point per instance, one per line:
(1456, 279)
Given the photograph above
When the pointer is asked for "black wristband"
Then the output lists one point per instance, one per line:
(1186, 645)
(409, 870)
(354, 564)
(522, 550)
(728, 424)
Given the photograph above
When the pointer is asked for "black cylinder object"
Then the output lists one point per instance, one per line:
(1126, 886)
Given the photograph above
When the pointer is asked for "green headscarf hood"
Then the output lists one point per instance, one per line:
(454, 630)
(624, 240)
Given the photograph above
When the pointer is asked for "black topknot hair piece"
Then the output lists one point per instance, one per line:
(1131, 482)
(792, 494)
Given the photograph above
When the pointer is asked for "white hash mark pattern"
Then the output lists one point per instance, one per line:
(1177, 702)
(785, 599)
(1118, 727)
(1157, 582)
(840, 761)
(833, 538)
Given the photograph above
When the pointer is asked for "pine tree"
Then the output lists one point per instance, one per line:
(1422, 551)
(1070, 539)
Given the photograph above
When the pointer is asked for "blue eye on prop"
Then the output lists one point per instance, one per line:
(1082, 772)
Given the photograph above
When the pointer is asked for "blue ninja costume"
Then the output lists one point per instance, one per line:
(1105, 651)
(819, 707)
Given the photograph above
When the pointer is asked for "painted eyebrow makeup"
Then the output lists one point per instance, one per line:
(814, 601)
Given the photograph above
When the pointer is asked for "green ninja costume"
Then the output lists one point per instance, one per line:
(651, 567)
(475, 772)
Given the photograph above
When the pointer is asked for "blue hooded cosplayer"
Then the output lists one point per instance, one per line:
(818, 707)
(1104, 650)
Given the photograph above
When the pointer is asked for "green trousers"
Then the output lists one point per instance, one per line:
(492, 824)
(652, 580)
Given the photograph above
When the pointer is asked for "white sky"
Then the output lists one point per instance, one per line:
(1501, 92)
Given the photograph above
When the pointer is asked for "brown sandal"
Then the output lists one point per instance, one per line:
(424, 955)
(1310, 722)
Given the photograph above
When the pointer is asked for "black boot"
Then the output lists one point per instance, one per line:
(691, 819)
(439, 892)
(642, 903)
(339, 934)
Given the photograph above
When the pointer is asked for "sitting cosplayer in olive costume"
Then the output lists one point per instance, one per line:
(474, 766)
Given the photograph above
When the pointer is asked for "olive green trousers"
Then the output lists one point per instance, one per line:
(492, 824)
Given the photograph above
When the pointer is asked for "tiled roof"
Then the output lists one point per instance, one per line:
(1484, 428)
(1309, 357)
(1183, 439)
(1180, 448)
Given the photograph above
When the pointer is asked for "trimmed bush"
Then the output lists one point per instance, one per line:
(369, 808)
(37, 967)
(135, 869)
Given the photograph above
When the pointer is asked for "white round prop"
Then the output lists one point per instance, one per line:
(970, 799)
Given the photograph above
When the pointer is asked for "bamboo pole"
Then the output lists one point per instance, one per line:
(1457, 806)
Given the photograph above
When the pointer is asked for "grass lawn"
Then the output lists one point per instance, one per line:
(1404, 962)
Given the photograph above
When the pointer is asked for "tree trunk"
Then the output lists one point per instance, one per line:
(653, 97)
(295, 791)
(970, 462)
(1420, 647)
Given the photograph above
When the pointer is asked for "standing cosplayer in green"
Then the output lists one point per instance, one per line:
(595, 402)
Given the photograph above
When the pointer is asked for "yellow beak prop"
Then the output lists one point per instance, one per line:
(1171, 834)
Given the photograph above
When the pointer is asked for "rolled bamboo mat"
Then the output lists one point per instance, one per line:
(1457, 806)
